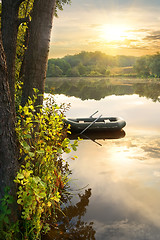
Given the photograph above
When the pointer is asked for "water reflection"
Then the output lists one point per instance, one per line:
(86, 88)
(125, 179)
(98, 88)
(149, 90)
(95, 135)
(124, 173)
(70, 224)
(140, 114)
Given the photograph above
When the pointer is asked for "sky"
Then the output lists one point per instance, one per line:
(115, 27)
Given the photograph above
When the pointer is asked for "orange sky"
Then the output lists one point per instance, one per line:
(113, 27)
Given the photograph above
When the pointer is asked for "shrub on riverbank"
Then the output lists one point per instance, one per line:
(43, 176)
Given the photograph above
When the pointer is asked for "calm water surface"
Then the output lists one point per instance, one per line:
(124, 173)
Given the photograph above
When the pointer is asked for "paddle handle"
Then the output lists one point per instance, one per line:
(93, 114)
(90, 124)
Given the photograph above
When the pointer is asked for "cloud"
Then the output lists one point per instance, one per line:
(79, 26)
(141, 30)
(154, 36)
(125, 229)
(95, 25)
(153, 151)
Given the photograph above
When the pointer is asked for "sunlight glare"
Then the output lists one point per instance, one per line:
(113, 32)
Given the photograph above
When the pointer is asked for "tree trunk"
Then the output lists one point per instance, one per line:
(8, 147)
(9, 38)
(38, 48)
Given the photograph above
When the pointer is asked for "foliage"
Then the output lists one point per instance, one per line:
(22, 37)
(142, 66)
(148, 66)
(7, 228)
(57, 67)
(60, 4)
(41, 181)
(88, 64)
(97, 64)
(73, 72)
(43, 175)
(155, 65)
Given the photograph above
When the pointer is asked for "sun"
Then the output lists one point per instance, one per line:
(113, 32)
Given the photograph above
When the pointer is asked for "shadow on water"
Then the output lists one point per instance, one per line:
(97, 135)
(70, 221)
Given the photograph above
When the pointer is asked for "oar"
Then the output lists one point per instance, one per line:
(92, 140)
(90, 125)
(96, 142)
(93, 114)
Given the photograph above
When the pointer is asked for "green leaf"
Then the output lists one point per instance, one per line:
(6, 219)
(42, 194)
(59, 150)
(25, 145)
(19, 201)
(31, 154)
(67, 150)
(20, 176)
(40, 151)
(36, 179)
(8, 212)
(27, 136)
(10, 200)
(28, 164)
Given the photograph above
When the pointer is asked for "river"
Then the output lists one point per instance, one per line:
(121, 173)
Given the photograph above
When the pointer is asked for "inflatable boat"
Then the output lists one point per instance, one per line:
(95, 124)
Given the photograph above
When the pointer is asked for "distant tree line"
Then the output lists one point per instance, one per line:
(98, 64)
(148, 66)
(87, 64)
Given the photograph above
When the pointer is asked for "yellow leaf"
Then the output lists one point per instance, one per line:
(49, 204)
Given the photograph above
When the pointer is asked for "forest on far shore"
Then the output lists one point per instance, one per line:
(95, 64)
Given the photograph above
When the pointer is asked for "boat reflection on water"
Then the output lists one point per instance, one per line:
(96, 135)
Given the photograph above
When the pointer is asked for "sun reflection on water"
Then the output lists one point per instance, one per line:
(124, 173)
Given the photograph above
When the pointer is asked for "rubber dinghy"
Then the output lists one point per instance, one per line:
(95, 124)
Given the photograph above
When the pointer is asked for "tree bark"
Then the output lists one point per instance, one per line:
(9, 38)
(38, 48)
(8, 148)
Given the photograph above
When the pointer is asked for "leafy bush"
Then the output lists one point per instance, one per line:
(43, 176)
